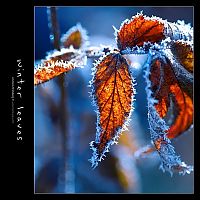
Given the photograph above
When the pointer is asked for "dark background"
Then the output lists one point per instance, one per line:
(119, 172)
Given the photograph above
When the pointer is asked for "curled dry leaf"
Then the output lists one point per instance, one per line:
(171, 81)
(170, 111)
(169, 93)
(113, 95)
(138, 30)
(76, 37)
(58, 63)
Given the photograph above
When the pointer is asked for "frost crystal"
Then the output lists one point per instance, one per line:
(179, 31)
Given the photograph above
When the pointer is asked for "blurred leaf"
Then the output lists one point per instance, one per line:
(126, 169)
(75, 36)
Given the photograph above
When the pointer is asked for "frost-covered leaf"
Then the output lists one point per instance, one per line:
(57, 63)
(140, 33)
(113, 94)
(76, 37)
(138, 30)
(165, 96)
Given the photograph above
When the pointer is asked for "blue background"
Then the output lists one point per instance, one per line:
(50, 155)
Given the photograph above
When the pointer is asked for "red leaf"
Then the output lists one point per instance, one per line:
(113, 93)
(138, 30)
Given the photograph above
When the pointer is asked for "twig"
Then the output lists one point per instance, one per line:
(62, 108)
(53, 25)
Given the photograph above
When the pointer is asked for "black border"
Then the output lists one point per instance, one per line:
(20, 36)
(22, 154)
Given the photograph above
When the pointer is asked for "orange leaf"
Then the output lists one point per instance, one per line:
(170, 96)
(183, 52)
(138, 30)
(58, 63)
(185, 112)
(113, 93)
(50, 69)
(76, 37)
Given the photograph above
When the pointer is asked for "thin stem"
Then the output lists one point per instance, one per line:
(53, 25)
(62, 107)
